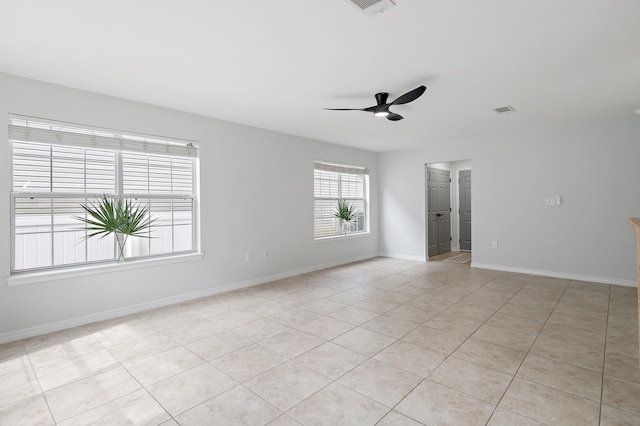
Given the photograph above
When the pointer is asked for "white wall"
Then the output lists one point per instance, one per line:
(256, 193)
(594, 168)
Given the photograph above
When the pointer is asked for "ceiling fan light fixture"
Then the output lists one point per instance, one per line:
(383, 113)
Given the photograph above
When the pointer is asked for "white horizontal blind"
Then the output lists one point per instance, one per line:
(156, 174)
(52, 177)
(340, 168)
(39, 167)
(332, 182)
(30, 129)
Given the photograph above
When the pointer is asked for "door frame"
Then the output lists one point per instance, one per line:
(454, 166)
(462, 173)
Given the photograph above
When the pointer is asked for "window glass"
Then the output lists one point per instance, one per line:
(334, 183)
(58, 167)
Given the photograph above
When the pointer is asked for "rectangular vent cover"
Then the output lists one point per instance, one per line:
(371, 7)
(504, 110)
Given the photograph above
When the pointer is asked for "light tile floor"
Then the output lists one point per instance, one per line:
(378, 342)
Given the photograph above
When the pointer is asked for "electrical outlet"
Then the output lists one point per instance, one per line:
(551, 201)
(494, 244)
(247, 256)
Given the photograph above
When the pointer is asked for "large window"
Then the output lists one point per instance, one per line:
(56, 167)
(339, 182)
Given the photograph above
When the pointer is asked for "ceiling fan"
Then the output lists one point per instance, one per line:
(382, 108)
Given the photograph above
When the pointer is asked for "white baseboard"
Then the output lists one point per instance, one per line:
(578, 277)
(543, 273)
(402, 256)
(24, 333)
(112, 313)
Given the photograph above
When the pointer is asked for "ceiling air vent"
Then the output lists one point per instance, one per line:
(504, 110)
(371, 7)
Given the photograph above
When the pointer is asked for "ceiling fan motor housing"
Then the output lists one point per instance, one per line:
(381, 98)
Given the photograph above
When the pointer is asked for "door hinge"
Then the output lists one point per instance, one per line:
(458, 211)
(449, 208)
(450, 239)
(449, 180)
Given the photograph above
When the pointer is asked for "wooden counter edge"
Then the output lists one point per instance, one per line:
(636, 224)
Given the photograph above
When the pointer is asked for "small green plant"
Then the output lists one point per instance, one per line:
(346, 212)
(113, 215)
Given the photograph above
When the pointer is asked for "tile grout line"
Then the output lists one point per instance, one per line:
(529, 350)
(449, 356)
(238, 382)
(44, 396)
(205, 361)
(132, 376)
(547, 320)
(604, 356)
(335, 381)
(526, 354)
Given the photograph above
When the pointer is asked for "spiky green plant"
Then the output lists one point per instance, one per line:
(113, 215)
(345, 211)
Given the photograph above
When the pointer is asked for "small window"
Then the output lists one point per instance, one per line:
(336, 184)
(57, 167)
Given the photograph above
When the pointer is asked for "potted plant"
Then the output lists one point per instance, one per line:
(345, 212)
(114, 215)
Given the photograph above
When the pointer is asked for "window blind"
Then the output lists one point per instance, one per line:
(28, 129)
(340, 168)
(53, 168)
(144, 173)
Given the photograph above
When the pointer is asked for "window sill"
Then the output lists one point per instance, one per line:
(342, 237)
(40, 277)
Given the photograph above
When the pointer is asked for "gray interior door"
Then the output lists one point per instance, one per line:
(438, 211)
(432, 205)
(464, 183)
(444, 211)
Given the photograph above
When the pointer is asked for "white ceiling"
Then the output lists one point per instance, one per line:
(275, 64)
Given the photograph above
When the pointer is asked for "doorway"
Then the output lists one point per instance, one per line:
(448, 208)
